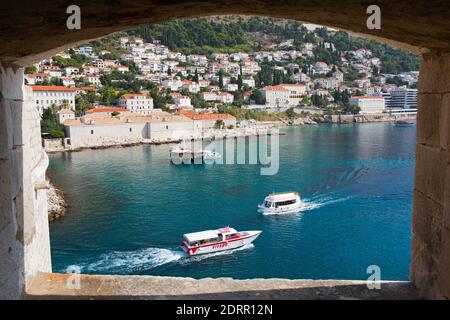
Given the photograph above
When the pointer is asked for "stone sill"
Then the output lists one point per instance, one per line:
(53, 286)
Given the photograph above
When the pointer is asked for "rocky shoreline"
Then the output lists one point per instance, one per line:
(57, 206)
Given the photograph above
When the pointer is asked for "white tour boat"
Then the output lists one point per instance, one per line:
(183, 155)
(281, 203)
(211, 241)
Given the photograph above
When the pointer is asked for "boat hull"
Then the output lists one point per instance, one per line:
(281, 210)
(222, 246)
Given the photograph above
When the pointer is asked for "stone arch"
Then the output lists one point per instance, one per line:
(33, 30)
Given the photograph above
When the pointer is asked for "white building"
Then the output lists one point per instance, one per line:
(64, 114)
(92, 78)
(68, 82)
(45, 96)
(320, 68)
(181, 101)
(276, 95)
(54, 71)
(284, 94)
(36, 78)
(209, 96)
(327, 83)
(369, 104)
(231, 87)
(191, 86)
(138, 103)
(401, 98)
(249, 82)
(225, 97)
(172, 84)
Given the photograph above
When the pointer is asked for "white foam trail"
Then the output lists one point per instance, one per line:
(145, 259)
(133, 261)
(316, 203)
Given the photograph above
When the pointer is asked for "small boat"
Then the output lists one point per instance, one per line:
(403, 123)
(210, 155)
(281, 203)
(211, 241)
(182, 155)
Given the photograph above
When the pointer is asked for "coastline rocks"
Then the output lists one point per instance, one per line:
(57, 206)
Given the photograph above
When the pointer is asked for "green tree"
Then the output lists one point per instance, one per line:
(290, 113)
(258, 97)
(219, 124)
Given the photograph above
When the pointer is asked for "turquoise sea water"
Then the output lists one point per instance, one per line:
(129, 208)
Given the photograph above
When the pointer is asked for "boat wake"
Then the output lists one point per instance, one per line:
(129, 262)
(318, 202)
(132, 261)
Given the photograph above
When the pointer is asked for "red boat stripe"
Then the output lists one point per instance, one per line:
(217, 243)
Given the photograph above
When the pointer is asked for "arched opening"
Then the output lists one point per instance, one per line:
(429, 186)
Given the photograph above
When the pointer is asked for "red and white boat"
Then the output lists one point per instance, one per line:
(211, 241)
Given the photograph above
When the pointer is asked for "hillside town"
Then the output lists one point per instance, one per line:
(137, 91)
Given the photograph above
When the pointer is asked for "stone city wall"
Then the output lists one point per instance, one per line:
(24, 235)
(430, 267)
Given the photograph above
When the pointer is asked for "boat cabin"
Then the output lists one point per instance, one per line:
(277, 200)
(201, 238)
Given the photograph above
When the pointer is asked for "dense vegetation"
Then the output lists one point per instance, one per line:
(49, 125)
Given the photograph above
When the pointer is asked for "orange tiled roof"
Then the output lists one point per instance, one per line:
(52, 88)
(39, 74)
(205, 116)
(87, 88)
(107, 109)
(272, 88)
(367, 97)
(132, 95)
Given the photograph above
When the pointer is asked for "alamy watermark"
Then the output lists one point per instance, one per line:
(73, 282)
(374, 280)
(261, 148)
(374, 20)
(73, 22)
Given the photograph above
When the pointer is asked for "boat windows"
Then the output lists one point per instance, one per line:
(267, 204)
(231, 235)
(211, 240)
(285, 203)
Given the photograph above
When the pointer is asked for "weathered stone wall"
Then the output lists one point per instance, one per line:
(24, 236)
(430, 268)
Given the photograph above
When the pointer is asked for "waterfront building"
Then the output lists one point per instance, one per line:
(209, 120)
(369, 104)
(64, 114)
(136, 102)
(284, 95)
(45, 96)
(276, 95)
(101, 129)
(106, 111)
(401, 98)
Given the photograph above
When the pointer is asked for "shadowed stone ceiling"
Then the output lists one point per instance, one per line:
(31, 30)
